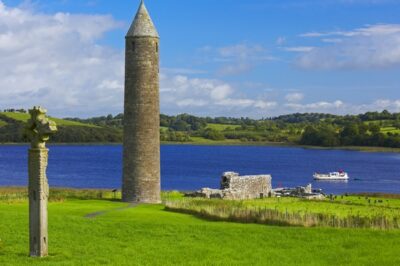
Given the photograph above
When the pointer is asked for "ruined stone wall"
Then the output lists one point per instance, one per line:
(238, 187)
(245, 187)
(141, 169)
(249, 187)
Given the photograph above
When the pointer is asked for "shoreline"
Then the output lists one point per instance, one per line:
(235, 143)
(19, 189)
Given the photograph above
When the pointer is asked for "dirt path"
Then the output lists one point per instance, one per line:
(96, 214)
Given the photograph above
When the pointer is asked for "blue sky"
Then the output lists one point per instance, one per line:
(252, 58)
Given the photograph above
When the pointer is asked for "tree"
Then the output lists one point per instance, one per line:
(374, 128)
(213, 134)
(180, 125)
(349, 134)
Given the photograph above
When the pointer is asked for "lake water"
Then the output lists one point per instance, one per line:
(186, 167)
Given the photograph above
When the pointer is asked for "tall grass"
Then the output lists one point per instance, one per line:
(17, 194)
(238, 211)
(379, 195)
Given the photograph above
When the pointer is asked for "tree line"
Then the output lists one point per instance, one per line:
(350, 135)
(369, 129)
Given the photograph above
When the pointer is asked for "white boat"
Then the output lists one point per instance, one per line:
(332, 176)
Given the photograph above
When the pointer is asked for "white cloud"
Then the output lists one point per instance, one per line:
(245, 103)
(207, 97)
(294, 97)
(183, 71)
(234, 69)
(373, 46)
(332, 40)
(58, 61)
(191, 103)
(241, 51)
(321, 106)
(235, 59)
(382, 104)
(340, 107)
(221, 92)
(55, 61)
(265, 104)
(299, 49)
(281, 40)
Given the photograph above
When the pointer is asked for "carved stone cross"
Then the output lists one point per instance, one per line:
(38, 130)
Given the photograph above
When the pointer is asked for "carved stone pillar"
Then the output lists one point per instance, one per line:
(38, 197)
(38, 130)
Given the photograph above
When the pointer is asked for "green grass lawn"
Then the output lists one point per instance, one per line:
(390, 129)
(149, 235)
(204, 141)
(164, 128)
(23, 117)
(2, 123)
(221, 127)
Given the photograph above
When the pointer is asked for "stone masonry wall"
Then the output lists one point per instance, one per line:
(141, 169)
(245, 187)
(238, 187)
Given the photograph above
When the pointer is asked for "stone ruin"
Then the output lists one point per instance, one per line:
(236, 187)
(300, 192)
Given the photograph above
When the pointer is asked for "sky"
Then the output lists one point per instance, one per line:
(253, 58)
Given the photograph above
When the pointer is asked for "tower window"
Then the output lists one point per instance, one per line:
(157, 47)
(133, 46)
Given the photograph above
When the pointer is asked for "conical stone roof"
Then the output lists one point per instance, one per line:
(142, 25)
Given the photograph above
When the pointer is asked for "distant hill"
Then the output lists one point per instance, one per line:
(380, 129)
(12, 126)
(24, 117)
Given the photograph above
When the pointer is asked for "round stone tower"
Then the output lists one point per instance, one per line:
(141, 155)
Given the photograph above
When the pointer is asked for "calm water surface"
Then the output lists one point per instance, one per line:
(186, 167)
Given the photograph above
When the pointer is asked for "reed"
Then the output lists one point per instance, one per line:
(18, 194)
(239, 211)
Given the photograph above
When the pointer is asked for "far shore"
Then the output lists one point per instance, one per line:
(234, 143)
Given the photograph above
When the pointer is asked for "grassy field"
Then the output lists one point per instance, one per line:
(204, 141)
(164, 128)
(23, 117)
(385, 128)
(352, 148)
(2, 123)
(340, 206)
(121, 234)
(339, 211)
(221, 127)
(392, 130)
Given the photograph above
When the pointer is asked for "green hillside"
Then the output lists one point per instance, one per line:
(221, 127)
(24, 117)
(12, 130)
